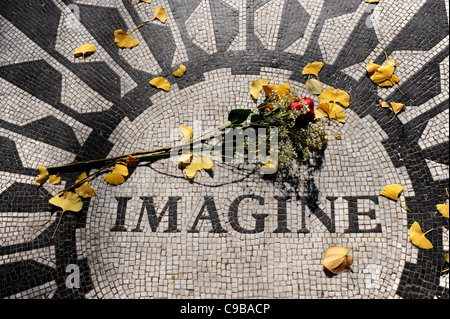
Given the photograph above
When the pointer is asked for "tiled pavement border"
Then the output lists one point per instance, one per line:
(53, 110)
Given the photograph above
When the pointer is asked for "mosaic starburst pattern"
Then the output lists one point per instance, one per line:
(232, 233)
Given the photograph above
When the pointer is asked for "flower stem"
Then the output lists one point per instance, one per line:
(90, 162)
(141, 154)
(87, 177)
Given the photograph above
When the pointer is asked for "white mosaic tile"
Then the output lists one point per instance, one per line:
(72, 34)
(267, 23)
(409, 63)
(384, 16)
(33, 153)
(437, 130)
(416, 111)
(240, 42)
(336, 32)
(201, 29)
(146, 12)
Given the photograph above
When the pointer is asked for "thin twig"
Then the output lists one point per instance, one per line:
(136, 28)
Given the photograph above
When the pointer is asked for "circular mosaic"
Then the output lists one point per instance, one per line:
(232, 233)
(191, 244)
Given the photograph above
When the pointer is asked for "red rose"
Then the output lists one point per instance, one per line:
(301, 103)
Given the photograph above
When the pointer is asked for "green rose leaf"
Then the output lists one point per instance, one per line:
(236, 117)
(239, 116)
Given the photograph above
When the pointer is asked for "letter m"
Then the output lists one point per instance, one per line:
(154, 219)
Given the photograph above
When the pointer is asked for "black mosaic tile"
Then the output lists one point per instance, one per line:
(38, 20)
(226, 21)
(23, 275)
(12, 161)
(422, 32)
(37, 78)
(294, 23)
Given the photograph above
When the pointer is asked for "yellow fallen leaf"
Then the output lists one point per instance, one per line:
(372, 67)
(312, 68)
(443, 209)
(337, 260)
(335, 96)
(187, 132)
(125, 40)
(84, 51)
(337, 136)
(121, 168)
(43, 175)
(180, 72)
(314, 86)
(257, 86)
(382, 75)
(383, 104)
(117, 176)
(446, 257)
(330, 110)
(160, 14)
(84, 190)
(161, 83)
(372, 1)
(418, 237)
(392, 191)
(185, 159)
(68, 201)
(275, 91)
(114, 178)
(197, 165)
(397, 107)
(54, 179)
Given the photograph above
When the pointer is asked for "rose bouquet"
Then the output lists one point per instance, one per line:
(300, 132)
(297, 130)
